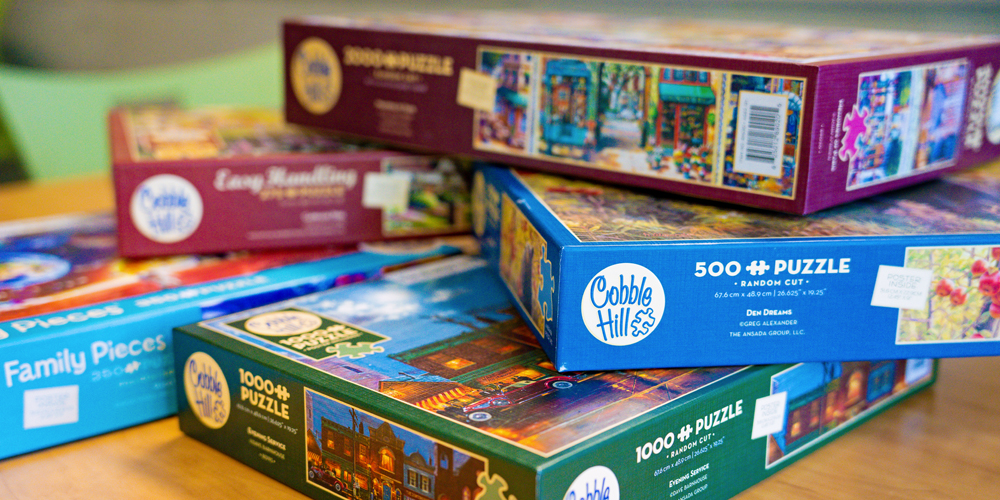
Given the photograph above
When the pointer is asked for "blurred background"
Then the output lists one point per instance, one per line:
(64, 62)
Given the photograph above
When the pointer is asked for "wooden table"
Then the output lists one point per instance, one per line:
(941, 443)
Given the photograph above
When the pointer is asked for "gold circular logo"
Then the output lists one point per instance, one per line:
(207, 390)
(315, 75)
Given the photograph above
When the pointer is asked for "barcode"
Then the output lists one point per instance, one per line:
(760, 133)
(762, 130)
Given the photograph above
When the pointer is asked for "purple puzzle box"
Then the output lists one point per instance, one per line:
(785, 118)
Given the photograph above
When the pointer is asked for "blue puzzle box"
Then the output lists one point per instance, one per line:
(85, 336)
(610, 278)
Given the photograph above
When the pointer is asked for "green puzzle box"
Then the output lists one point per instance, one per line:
(427, 384)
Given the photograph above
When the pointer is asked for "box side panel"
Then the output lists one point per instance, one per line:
(665, 121)
(658, 305)
(892, 122)
(526, 245)
(731, 437)
(303, 433)
(93, 369)
(88, 382)
(215, 206)
(118, 138)
(218, 205)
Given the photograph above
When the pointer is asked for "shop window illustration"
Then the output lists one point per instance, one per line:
(912, 121)
(855, 387)
(568, 87)
(506, 127)
(597, 112)
(685, 125)
(824, 396)
(387, 461)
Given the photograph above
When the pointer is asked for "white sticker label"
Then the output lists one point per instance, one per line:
(597, 482)
(166, 208)
(476, 90)
(917, 369)
(769, 415)
(993, 112)
(51, 406)
(623, 304)
(389, 191)
(902, 287)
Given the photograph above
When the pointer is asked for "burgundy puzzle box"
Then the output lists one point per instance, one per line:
(785, 118)
(219, 179)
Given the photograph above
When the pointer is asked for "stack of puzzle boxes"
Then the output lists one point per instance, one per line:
(599, 348)
(88, 302)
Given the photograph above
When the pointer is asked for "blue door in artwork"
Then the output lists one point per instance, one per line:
(568, 85)
(386, 492)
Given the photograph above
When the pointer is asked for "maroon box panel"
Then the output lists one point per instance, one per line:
(958, 105)
(207, 181)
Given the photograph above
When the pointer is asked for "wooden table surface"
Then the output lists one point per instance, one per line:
(941, 443)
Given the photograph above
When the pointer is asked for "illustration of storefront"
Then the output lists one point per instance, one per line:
(499, 367)
(511, 105)
(941, 117)
(374, 463)
(568, 92)
(823, 396)
(431, 396)
(685, 121)
(346, 457)
(806, 395)
(418, 478)
(855, 388)
(881, 379)
(887, 96)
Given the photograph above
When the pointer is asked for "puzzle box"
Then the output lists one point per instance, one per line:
(787, 118)
(85, 336)
(428, 385)
(219, 179)
(610, 278)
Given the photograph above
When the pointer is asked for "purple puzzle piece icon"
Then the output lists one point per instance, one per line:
(855, 128)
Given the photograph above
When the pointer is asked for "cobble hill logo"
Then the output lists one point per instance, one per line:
(622, 304)
(207, 390)
(166, 208)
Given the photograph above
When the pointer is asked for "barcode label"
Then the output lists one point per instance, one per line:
(760, 133)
